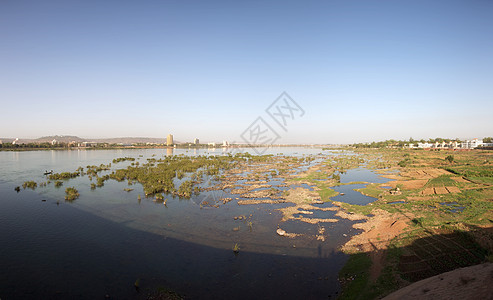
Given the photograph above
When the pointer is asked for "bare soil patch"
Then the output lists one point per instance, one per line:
(377, 231)
(441, 190)
(408, 184)
(460, 179)
(425, 173)
(263, 201)
(452, 189)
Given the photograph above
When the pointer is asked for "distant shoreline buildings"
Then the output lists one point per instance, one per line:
(467, 144)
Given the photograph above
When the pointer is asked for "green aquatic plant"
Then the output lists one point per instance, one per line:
(185, 189)
(120, 159)
(236, 248)
(29, 184)
(250, 225)
(71, 194)
(64, 175)
(58, 183)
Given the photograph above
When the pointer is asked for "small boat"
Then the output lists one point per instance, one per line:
(48, 173)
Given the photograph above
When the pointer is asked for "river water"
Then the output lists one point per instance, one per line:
(99, 245)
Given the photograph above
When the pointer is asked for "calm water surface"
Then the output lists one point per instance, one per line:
(101, 243)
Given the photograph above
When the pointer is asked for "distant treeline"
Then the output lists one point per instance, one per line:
(33, 145)
(395, 143)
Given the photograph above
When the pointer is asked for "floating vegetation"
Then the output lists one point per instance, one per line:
(29, 184)
(120, 159)
(236, 249)
(17, 189)
(64, 175)
(101, 180)
(58, 183)
(71, 194)
(128, 190)
(157, 175)
(185, 189)
(93, 186)
(94, 170)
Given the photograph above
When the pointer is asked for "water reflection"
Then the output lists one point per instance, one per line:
(169, 151)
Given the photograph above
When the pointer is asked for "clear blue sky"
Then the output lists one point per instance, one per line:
(361, 70)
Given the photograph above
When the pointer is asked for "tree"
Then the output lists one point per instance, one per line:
(488, 140)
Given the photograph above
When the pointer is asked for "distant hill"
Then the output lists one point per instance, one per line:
(59, 138)
(129, 140)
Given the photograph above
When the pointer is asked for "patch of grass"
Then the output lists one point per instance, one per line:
(326, 192)
(355, 275)
(483, 180)
(357, 209)
(443, 180)
(371, 190)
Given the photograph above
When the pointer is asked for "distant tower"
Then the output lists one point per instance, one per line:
(169, 140)
(196, 141)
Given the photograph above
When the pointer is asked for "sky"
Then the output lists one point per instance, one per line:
(358, 71)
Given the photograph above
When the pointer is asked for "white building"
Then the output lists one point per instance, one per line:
(425, 145)
(196, 141)
(472, 144)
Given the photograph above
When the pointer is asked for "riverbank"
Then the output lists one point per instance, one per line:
(435, 216)
(398, 224)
